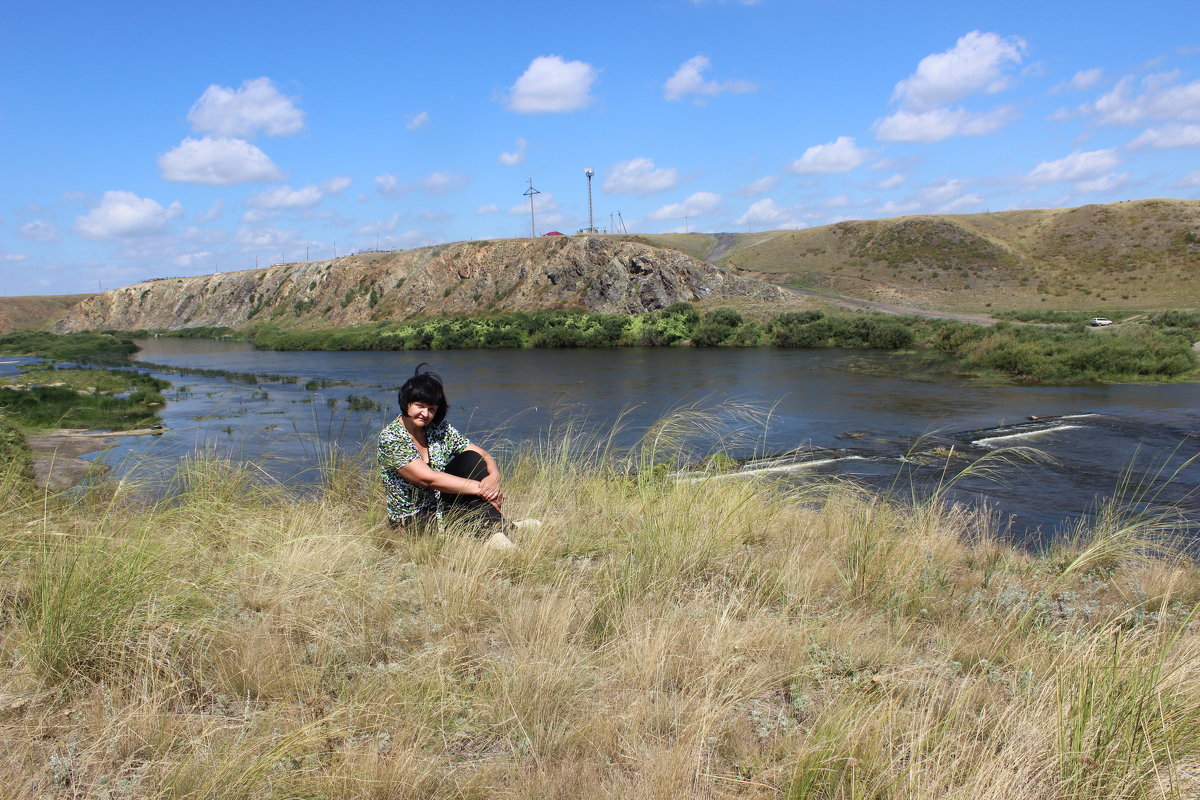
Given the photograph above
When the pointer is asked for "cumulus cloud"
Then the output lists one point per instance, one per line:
(188, 259)
(639, 176)
(484, 210)
(551, 85)
(1165, 136)
(218, 162)
(942, 192)
(689, 79)
(961, 205)
(124, 214)
(414, 122)
(892, 182)
(287, 198)
(1085, 79)
(976, 63)
(760, 186)
(264, 237)
(13, 257)
(39, 230)
(1159, 97)
(379, 227)
(389, 185)
(256, 107)
(1075, 167)
(840, 155)
(1189, 181)
(1105, 183)
(336, 185)
(766, 213)
(517, 156)
(697, 205)
(940, 123)
(444, 182)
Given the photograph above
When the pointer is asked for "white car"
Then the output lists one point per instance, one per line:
(1100, 322)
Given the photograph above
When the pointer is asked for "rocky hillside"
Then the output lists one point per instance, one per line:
(1140, 254)
(592, 273)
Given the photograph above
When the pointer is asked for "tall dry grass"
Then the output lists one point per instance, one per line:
(653, 639)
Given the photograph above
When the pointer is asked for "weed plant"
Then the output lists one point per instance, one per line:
(654, 638)
(110, 349)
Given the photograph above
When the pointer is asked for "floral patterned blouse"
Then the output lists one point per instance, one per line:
(397, 449)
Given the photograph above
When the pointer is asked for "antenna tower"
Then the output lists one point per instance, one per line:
(591, 225)
(530, 193)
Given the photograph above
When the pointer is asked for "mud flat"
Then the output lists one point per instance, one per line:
(56, 454)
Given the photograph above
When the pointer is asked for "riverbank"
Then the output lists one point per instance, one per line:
(652, 639)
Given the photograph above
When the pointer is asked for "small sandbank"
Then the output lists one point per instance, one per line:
(56, 454)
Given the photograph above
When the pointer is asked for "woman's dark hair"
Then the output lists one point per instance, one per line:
(424, 387)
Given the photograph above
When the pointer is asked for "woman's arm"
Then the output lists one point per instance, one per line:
(418, 473)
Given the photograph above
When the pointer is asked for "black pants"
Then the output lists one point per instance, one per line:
(467, 464)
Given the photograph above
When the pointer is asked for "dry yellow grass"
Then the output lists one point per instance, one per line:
(653, 639)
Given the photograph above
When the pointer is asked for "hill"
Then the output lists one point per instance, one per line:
(1135, 255)
(587, 273)
(35, 312)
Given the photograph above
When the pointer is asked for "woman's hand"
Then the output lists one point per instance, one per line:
(489, 489)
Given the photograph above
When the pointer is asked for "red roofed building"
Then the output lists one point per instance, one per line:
(553, 233)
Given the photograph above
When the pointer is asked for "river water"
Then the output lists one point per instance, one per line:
(838, 412)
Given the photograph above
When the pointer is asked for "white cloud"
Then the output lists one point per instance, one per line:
(414, 122)
(188, 259)
(444, 182)
(1086, 79)
(379, 227)
(122, 214)
(285, 197)
(1191, 180)
(263, 237)
(204, 235)
(942, 192)
(257, 107)
(840, 155)
(960, 205)
(895, 209)
(697, 205)
(484, 210)
(391, 186)
(892, 182)
(838, 201)
(975, 64)
(336, 185)
(689, 79)
(1161, 98)
(1075, 167)
(218, 162)
(73, 196)
(1105, 183)
(766, 213)
(937, 124)
(39, 230)
(1166, 136)
(551, 84)
(517, 156)
(760, 186)
(256, 215)
(12, 258)
(211, 213)
(639, 176)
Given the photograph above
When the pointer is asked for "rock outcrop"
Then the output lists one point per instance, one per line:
(592, 273)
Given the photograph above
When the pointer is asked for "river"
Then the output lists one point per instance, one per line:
(830, 411)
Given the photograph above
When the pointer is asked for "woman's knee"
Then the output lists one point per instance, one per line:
(467, 464)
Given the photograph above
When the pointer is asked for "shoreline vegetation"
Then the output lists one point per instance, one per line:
(653, 638)
(1059, 349)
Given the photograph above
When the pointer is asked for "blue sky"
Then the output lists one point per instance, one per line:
(145, 140)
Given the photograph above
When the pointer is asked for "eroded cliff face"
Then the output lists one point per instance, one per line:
(592, 273)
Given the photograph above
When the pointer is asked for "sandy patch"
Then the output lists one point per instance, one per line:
(56, 461)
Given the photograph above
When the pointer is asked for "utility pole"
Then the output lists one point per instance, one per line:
(530, 193)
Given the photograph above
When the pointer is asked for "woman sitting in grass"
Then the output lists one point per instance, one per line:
(430, 470)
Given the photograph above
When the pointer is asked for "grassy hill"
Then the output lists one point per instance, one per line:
(35, 312)
(1135, 255)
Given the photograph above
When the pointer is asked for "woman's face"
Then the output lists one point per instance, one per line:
(421, 414)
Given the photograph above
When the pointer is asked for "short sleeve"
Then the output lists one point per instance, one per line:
(396, 449)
